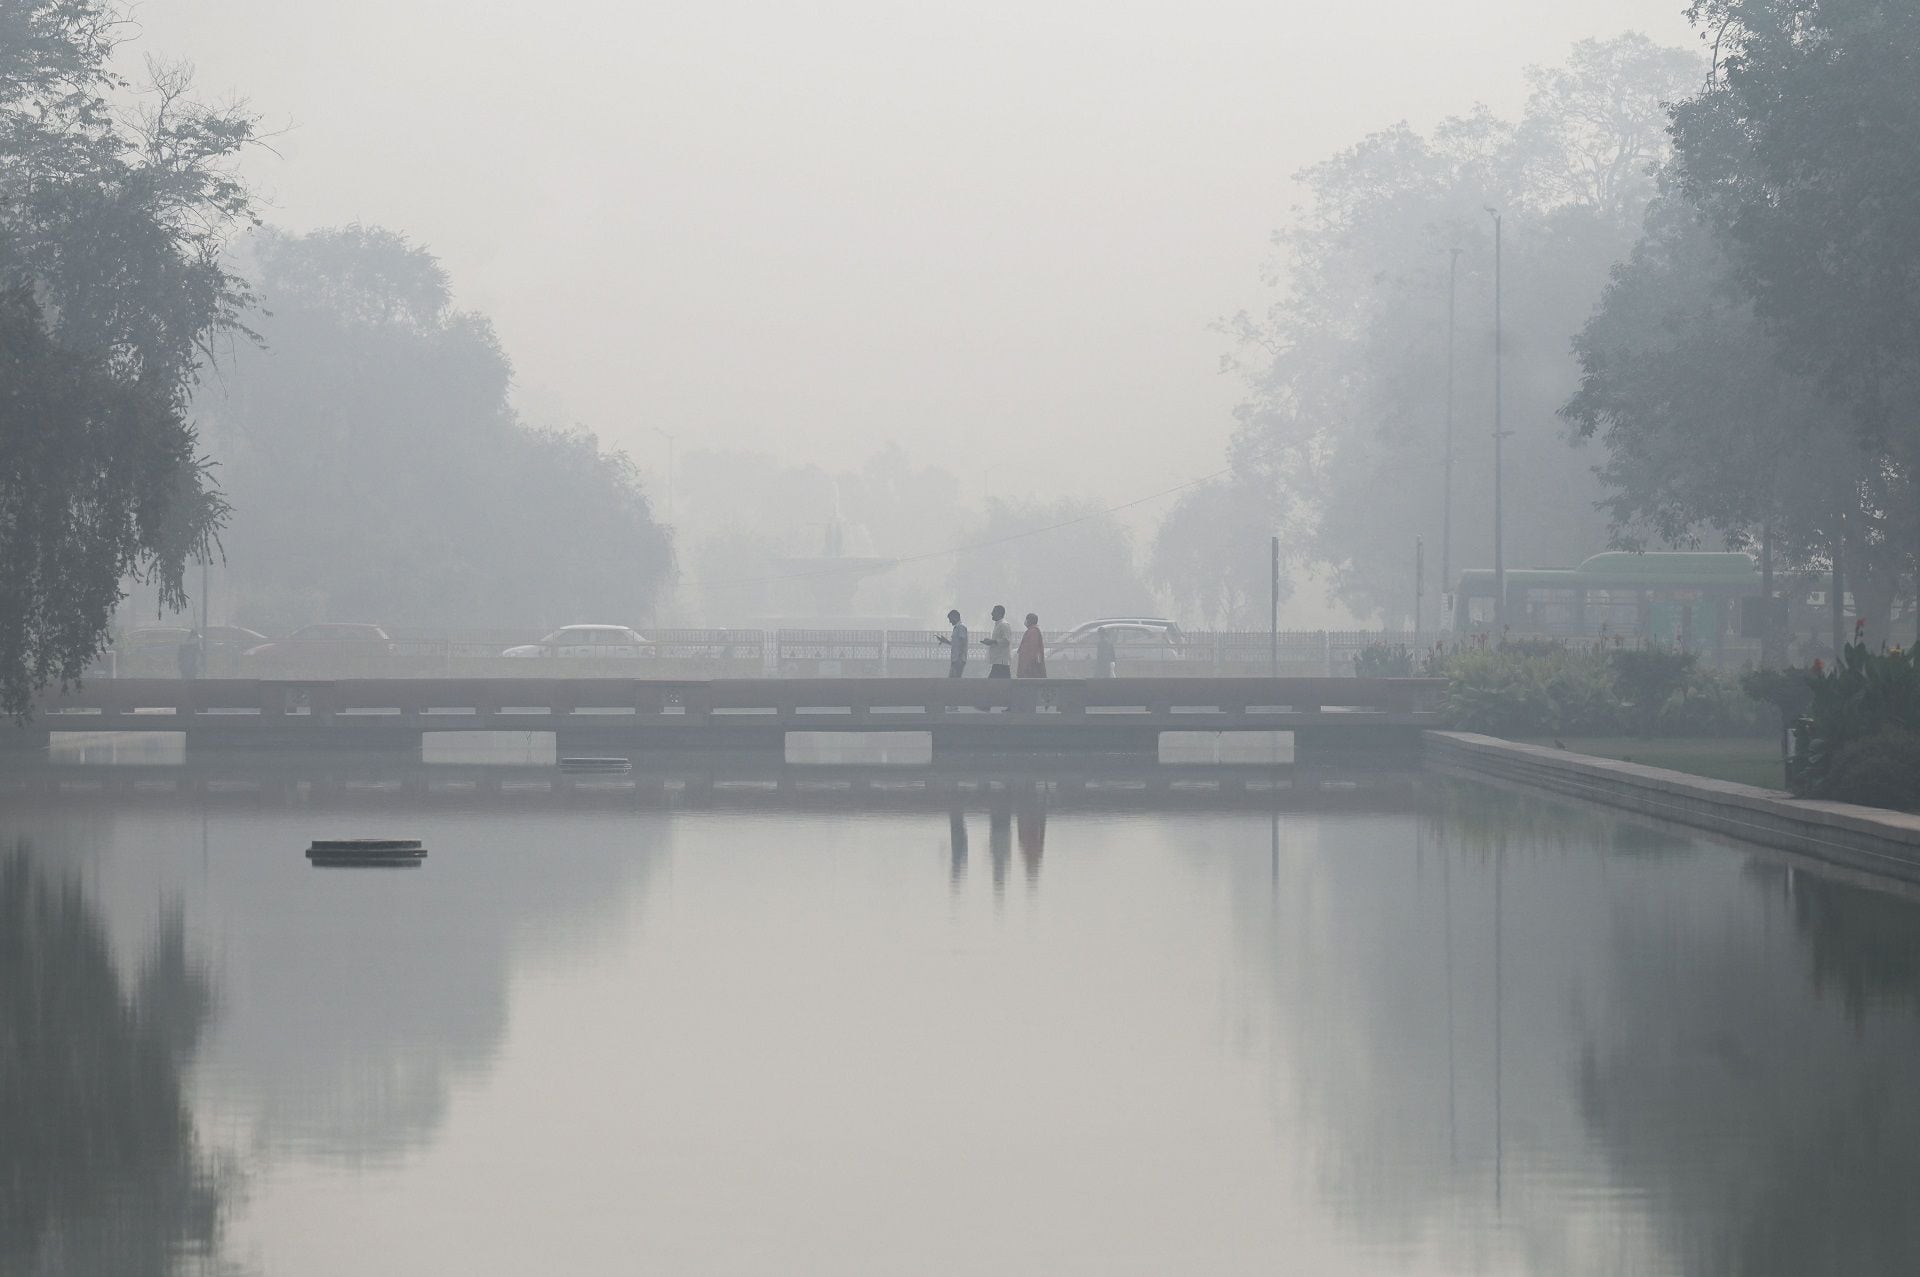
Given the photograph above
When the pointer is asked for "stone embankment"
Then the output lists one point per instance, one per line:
(1868, 839)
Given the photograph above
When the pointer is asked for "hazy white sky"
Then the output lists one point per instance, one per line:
(995, 232)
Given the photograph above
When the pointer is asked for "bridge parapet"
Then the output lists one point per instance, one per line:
(719, 711)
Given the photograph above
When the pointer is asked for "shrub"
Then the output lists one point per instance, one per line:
(1854, 743)
(1648, 679)
(1382, 661)
(1548, 689)
(1881, 770)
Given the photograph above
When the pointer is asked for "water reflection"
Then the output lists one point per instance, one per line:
(100, 1167)
(1259, 1020)
(957, 847)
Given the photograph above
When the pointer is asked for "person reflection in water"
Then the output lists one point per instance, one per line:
(1032, 824)
(957, 846)
(1000, 841)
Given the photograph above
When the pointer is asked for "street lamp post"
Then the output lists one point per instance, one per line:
(1499, 440)
(1446, 516)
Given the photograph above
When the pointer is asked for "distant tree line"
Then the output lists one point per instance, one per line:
(368, 463)
(377, 468)
(1711, 270)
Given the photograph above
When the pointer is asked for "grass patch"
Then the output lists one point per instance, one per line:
(1747, 760)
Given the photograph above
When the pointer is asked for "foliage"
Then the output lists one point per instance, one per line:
(1865, 702)
(1344, 427)
(1550, 689)
(1803, 155)
(379, 473)
(1212, 558)
(1647, 678)
(1786, 690)
(1379, 660)
(112, 224)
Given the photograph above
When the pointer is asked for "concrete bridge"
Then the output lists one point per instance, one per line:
(621, 715)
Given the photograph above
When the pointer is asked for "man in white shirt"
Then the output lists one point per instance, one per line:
(1000, 645)
(957, 662)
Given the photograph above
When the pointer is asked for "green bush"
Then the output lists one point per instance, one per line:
(1856, 741)
(1549, 689)
(1881, 770)
(1381, 661)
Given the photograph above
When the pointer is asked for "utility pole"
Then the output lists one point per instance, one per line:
(1273, 617)
(1446, 517)
(1499, 441)
(1419, 584)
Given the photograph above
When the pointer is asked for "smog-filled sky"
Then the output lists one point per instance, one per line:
(996, 233)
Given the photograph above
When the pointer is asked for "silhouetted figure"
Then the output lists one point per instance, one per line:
(957, 846)
(999, 644)
(1000, 843)
(190, 656)
(1033, 835)
(1033, 649)
(1105, 657)
(957, 661)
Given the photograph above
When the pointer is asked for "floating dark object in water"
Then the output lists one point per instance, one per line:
(588, 764)
(341, 853)
(368, 862)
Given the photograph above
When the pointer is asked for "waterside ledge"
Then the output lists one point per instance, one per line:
(1869, 839)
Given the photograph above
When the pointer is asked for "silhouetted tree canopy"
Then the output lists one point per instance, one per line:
(1345, 421)
(112, 226)
(379, 472)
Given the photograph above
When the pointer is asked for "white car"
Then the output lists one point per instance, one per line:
(591, 642)
(1134, 638)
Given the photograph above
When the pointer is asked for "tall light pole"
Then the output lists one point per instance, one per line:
(1499, 440)
(1446, 517)
(669, 438)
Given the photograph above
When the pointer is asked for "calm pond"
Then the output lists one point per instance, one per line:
(764, 1019)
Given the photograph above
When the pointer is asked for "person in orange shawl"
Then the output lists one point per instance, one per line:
(1033, 650)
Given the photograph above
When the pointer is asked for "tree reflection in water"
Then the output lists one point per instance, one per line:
(100, 1171)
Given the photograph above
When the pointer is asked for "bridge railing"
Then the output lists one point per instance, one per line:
(801, 653)
(457, 704)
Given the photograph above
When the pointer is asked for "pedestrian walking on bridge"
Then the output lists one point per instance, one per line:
(1000, 645)
(1033, 649)
(957, 660)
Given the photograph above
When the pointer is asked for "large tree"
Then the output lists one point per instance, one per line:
(112, 227)
(1349, 369)
(1803, 152)
(379, 472)
(1709, 428)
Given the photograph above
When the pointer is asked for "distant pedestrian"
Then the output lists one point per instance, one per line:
(1033, 649)
(1105, 656)
(190, 656)
(957, 661)
(999, 645)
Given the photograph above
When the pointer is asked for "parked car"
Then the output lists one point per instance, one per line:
(584, 642)
(153, 651)
(326, 638)
(1134, 638)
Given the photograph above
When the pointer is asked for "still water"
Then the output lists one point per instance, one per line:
(743, 1020)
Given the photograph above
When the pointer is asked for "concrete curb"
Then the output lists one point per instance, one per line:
(1868, 839)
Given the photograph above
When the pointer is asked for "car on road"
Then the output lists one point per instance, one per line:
(154, 650)
(1134, 638)
(326, 639)
(584, 642)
